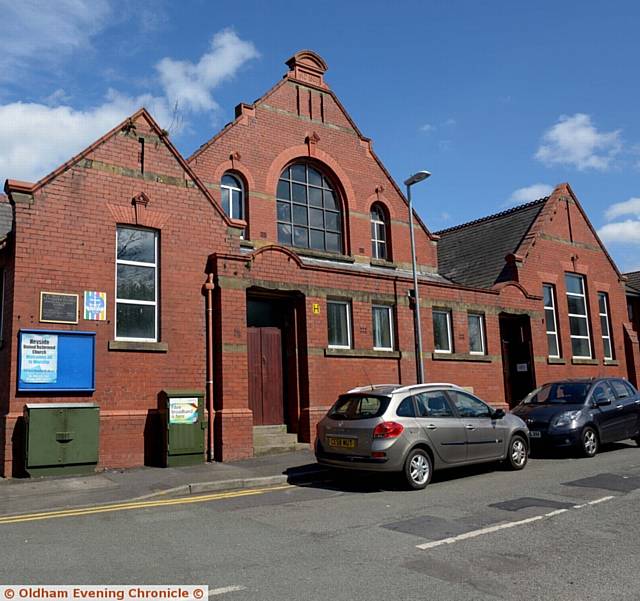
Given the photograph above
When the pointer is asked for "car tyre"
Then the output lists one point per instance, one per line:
(418, 468)
(589, 443)
(518, 453)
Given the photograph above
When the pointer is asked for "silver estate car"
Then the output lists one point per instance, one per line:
(415, 429)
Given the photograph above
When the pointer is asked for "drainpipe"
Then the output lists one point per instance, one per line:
(209, 286)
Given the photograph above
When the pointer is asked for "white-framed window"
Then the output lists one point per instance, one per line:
(578, 316)
(232, 194)
(379, 242)
(136, 284)
(551, 320)
(339, 323)
(477, 336)
(442, 334)
(382, 326)
(605, 324)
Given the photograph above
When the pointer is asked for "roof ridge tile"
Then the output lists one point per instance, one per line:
(492, 216)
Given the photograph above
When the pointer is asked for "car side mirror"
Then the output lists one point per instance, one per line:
(498, 414)
(602, 401)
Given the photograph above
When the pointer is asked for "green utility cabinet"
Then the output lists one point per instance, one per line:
(184, 427)
(61, 438)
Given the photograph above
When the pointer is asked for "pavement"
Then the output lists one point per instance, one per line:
(112, 486)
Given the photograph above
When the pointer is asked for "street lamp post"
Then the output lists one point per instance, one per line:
(414, 179)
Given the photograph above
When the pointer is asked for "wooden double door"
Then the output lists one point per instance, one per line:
(264, 351)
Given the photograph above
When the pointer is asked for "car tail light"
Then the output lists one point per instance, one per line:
(378, 454)
(388, 430)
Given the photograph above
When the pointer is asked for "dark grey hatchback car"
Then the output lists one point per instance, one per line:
(581, 414)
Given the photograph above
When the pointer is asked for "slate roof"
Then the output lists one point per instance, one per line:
(633, 283)
(6, 216)
(473, 254)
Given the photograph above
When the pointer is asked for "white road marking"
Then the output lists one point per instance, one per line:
(504, 526)
(225, 590)
(595, 502)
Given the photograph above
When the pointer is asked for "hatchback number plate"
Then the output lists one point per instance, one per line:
(534, 434)
(338, 442)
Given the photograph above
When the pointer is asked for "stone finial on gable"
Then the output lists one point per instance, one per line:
(308, 67)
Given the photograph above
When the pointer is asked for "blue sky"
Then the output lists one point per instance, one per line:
(500, 100)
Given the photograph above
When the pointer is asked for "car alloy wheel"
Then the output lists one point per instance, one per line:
(518, 451)
(417, 469)
(589, 442)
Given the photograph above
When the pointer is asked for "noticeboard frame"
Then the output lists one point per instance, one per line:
(75, 362)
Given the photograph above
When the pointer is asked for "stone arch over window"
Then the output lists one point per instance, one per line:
(233, 195)
(380, 236)
(309, 208)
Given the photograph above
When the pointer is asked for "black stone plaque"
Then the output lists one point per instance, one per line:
(56, 307)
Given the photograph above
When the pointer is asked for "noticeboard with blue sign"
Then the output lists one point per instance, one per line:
(56, 361)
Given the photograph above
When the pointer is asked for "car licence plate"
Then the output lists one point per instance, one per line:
(534, 434)
(338, 442)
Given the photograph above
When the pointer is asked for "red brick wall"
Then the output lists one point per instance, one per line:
(273, 135)
(566, 235)
(65, 242)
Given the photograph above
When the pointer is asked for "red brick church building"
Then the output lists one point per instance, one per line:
(272, 271)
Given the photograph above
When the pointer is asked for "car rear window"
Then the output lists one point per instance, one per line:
(359, 406)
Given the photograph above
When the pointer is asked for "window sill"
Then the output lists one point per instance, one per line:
(246, 244)
(461, 357)
(359, 353)
(584, 361)
(320, 254)
(383, 263)
(556, 361)
(147, 347)
(611, 362)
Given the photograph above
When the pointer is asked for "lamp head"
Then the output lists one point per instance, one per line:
(417, 177)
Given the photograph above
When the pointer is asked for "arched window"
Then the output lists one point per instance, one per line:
(232, 193)
(379, 233)
(308, 210)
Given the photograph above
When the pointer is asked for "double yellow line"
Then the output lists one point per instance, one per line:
(132, 505)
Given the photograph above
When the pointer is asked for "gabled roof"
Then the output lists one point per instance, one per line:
(291, 76)
(633, 283)
(6, 216)
(474, 253)
(30, 188)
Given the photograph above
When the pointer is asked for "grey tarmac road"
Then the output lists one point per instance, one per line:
(563, 528)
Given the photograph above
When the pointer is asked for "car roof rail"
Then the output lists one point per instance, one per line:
(371, 387)
(426, 385)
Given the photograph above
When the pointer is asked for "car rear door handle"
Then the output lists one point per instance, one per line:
(638, 402)
(432, 427)
(470, 427)
(619, 406)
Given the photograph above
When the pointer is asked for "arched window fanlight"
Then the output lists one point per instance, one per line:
(232, 193)
(309, 214)
(379, 233)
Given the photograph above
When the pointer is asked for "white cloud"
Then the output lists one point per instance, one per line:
(36, 138)
(627, 207)
(529, 193)
(621, 232)
(427, 127)
(575, 141)
(190, 85)
(450, 122)
(36, 33)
